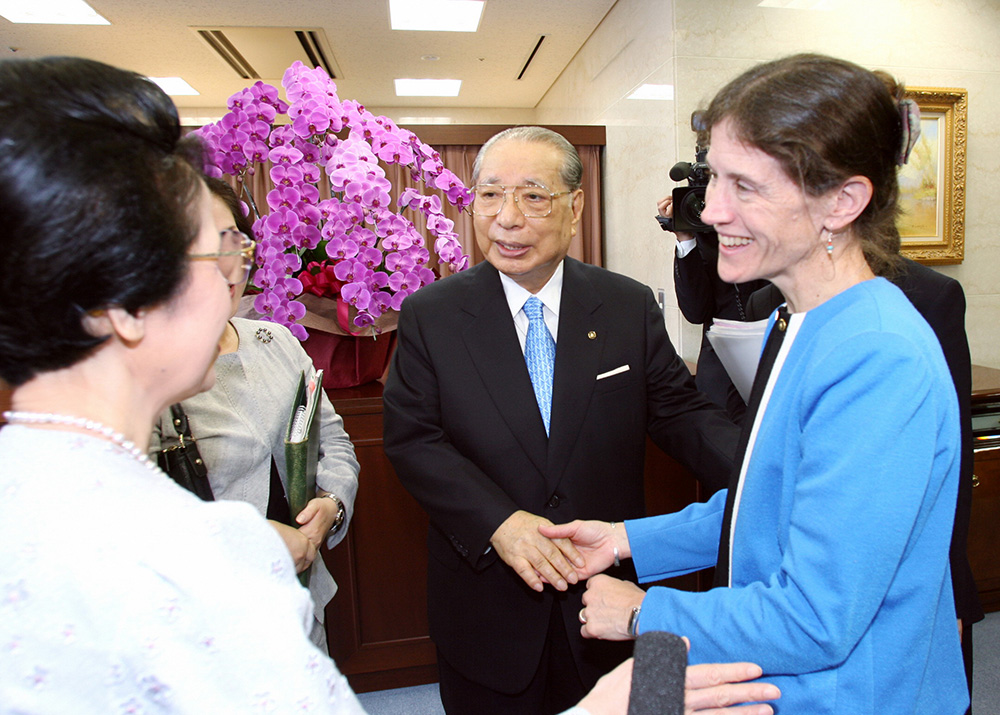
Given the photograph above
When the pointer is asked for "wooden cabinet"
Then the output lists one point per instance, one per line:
(984, 526)
(377, 623)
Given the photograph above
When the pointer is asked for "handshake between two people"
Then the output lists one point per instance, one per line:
(543, 553)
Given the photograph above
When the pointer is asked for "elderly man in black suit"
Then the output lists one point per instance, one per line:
(498, 422)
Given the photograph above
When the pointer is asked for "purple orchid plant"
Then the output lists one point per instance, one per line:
(378, 255)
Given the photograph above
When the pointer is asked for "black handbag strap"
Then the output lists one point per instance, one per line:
(183, 462)
(180, 420)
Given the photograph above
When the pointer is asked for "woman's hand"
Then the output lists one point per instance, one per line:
(665, 207)
(316, 518)
(537, 559)
(711, 688)
(595, 541)
(302, 549)
(607, 607)
(611, 693)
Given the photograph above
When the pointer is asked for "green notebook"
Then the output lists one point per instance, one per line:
(302, 447)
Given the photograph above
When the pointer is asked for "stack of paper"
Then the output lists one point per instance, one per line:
(738, 346)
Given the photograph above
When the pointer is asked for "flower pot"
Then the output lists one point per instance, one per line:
(349, 360)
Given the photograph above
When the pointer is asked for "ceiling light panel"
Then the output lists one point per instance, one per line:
(51, 12)
(174, 86)
(428, 87)
(436, 15)
(653, 91)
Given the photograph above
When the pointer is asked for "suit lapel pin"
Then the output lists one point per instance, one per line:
(592, 335)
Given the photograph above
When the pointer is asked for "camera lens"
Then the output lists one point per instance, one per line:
(692, 206)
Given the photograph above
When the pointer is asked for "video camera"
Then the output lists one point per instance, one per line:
(689, 201)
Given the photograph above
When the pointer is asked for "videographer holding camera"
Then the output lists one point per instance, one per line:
(701, 294)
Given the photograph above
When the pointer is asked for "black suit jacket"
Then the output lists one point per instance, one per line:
(465, 436)
(941, 302)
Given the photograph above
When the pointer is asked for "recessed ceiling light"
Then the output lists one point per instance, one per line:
(429, 58)
(428, 87)
(174, 86)
(51, 12)
(653, 91)
(436, 15)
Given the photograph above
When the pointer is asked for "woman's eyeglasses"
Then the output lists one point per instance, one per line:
(234, 257)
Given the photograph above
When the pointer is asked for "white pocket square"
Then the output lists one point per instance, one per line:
(609, 373)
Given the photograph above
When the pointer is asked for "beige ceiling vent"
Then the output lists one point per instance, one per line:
(266, 52)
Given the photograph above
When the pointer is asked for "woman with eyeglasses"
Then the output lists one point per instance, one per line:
(120, 591)
(241, 423)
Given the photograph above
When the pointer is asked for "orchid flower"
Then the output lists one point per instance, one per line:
(375, 255)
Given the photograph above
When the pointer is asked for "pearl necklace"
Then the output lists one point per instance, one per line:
(42, 418)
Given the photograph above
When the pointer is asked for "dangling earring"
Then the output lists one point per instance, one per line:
(829, 243)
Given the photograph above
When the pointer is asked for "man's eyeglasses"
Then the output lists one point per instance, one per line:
(234, 257)
(533, 201)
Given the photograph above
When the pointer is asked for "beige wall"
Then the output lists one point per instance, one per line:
(697, 45)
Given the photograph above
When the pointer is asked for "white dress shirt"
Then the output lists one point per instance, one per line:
(550, 295)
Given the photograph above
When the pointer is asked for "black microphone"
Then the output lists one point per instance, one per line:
(680, 171)
(658, 675)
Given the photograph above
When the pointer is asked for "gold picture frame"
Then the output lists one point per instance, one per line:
(932, 183)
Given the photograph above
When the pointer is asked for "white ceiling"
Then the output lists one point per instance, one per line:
(160, 38)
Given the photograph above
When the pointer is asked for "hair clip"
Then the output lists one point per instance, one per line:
(909, 115)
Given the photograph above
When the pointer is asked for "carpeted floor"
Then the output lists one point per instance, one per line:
(420, 700)
(986, 668)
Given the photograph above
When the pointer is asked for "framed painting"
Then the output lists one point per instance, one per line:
(932, 183)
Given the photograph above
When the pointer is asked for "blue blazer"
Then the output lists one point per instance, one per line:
(841, 582)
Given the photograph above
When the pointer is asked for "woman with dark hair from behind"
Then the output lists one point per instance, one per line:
(122, 591)
(832, 538)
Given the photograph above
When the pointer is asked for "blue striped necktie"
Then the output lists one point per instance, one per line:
(540, 354)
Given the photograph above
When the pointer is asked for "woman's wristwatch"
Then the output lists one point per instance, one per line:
(338, 520)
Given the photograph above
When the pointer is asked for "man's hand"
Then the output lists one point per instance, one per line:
(665, 207)
(536, 558)
(594, 540)
(712, 687)
(607, 605)
(302, 549)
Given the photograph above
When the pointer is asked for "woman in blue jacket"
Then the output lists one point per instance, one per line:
(832, 539)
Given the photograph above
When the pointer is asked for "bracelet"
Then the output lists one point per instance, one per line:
(633, 622)
(617, 562)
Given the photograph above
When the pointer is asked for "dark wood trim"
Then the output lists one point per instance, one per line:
(445, 134)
